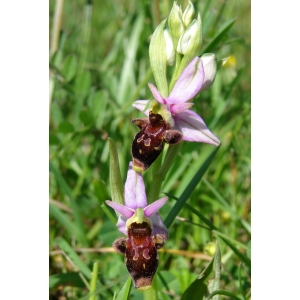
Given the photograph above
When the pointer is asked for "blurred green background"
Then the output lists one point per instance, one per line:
(98, 68)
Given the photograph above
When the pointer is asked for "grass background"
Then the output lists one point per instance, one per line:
(100, 67)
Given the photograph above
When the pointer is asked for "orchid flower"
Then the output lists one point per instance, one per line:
(198, 75)
(145, 230)
(136, 208)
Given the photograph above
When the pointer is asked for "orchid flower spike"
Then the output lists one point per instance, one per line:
(174, 109)
(136, 208)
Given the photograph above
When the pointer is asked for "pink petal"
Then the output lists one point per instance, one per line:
(123, 210)
(158, 225)
(156, 94)
(154, 207)
(194, 129)
(121, 224)
(134, 191)
(189, 83)
(177, 108)
(140, 105)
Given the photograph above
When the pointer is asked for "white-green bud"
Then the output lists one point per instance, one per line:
(209, 62)
(175, 23)
(188, 14)
(191, 39)
(170, 51)
(187, 38)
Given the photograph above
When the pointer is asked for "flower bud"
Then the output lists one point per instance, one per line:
(210, 248)
(190, 43)
(188, 14)
(191, 39)
(187, 37)
(209, 62)
(175, 23)
(169, 48)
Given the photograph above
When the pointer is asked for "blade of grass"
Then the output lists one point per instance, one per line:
(125, 291)
(67, 191)
(82, 267)
(211, 46)
(244, 258)
(218, 196)
(93, 284)
(112, 218)
(189, 189)
(64, 220)
(127, 74)
(240, 282)
(215, 283)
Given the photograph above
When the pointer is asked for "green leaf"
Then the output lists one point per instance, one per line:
(70, 67)
(207, 271)
(211, 46)
(65, 127)
(82, 267)
(86, 117)
(83, 83)
(125, 291)
(189, 189)
(116, 183)
(196, 291)
(214, 284)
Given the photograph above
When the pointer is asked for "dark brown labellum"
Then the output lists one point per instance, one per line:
(141, 257)
(148, 143)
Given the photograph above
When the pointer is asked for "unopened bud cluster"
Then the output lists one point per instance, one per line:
(185, 31)
(179, 38)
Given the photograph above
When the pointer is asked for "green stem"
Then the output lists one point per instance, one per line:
(225, 293)
(93, 284)
(152, 294)
(57, 20)
(175, 73)
(159, 177)
(86, 32)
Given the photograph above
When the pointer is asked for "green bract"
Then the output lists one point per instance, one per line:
(158, 58)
